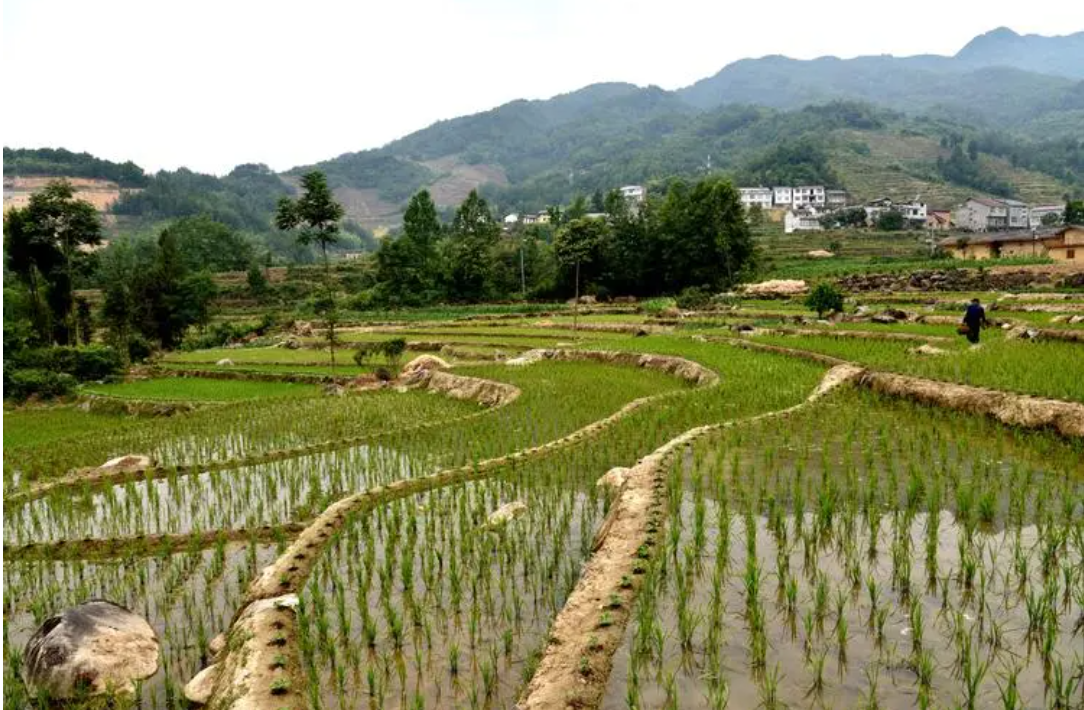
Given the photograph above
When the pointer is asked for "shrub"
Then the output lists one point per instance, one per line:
(89, 362)
(383, 374)
(139, 348)
(824, 298)
(20, 385)
(693, 298)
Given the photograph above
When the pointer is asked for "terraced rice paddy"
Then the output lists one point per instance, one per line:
(850, 550)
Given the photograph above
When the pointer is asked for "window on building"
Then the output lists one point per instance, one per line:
(1070, 253)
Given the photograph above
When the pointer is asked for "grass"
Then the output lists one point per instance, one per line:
(1046, 368)
(49, 426)
(197, 389)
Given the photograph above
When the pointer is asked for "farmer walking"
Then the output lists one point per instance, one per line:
(974, 319)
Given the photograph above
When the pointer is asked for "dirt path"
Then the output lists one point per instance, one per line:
(577, 661)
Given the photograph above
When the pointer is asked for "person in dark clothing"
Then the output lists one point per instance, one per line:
(974, 319)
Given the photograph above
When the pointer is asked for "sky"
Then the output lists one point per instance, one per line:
(212, 84)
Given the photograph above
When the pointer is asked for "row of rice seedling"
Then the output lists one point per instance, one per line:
(558, 398)
(186, 597)
(1045, 368)
(864, 552)
(426, 602)
(227, 432)
(199, 389)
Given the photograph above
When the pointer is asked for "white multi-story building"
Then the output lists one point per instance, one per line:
(634, 193)
(982, 214)
(760, 196)
(1038, 212)
(836, 198)
(809, 195)
(782, 196)
(1018, 214)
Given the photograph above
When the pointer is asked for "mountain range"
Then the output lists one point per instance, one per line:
(1004, 115)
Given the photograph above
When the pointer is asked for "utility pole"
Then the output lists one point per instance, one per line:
(522, 273)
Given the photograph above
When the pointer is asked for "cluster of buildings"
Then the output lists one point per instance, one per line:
(1061, 244)
(634, 195)
(815, 196)
(990, 214)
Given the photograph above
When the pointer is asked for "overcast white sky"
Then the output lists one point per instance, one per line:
(210, 84)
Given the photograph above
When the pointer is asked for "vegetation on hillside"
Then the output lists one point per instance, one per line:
(50, 162)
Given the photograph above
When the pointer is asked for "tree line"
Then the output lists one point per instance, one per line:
(693, 235)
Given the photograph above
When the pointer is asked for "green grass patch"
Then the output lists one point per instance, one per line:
(198, 389)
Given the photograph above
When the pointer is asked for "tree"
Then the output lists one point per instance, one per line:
(824, 298)
(29, 257)
(474, 235)
(257, 281)
(47, 238)
(84, 320)
(578, 242)
(315, 218)
(1051, 219)
(207, 244)
(891, 221)
(408, 268)
(1074, 212)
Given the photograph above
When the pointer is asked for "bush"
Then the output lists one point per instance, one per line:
(391, 350)
(383, 374)
(824, 298)
(20, 385)
(89, 362)
(693, 298)
(139, 348)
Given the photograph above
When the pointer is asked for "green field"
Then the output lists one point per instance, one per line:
(199, 389)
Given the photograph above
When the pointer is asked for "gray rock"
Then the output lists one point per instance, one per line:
(97, 647)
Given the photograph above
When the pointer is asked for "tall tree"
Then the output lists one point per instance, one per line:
(49, 234)
(30, 257)
(1074, 212)
(315, 218)
(576, 243)
(407, 266)
(474, 235)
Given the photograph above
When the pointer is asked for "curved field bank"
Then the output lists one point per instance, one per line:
(288, 574)
(577, 661)
(1065, 418)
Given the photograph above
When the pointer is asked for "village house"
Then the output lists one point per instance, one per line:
(987, 214)
(782, 196)
(634, 193)
(760, 196)
(938, 220)
(913, 211)
(1038, 212)
(1064, 244)
(809, 195)
(835, 199)
(803, 219)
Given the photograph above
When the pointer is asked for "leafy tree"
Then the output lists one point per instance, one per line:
(474, 235)
(84, 320)
(1074, 212)
(46, 239)
(207, 244)
(578, 242)
(30, 256)
(408, 269)
(315, 218)
(891, 221)
(824, 298)
(257, 281)
(1051, 219)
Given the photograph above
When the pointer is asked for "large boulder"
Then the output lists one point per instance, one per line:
(97, 647)
(422, 363)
